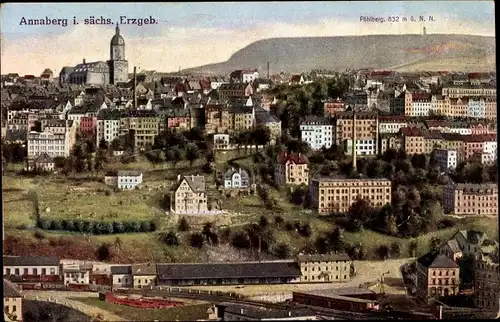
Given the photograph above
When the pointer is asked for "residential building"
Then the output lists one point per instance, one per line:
(291, 168)
(235, 179)
(469, 91)
(475, 243)
(177, 119)
(262, 272)
(360, 298)
(42, 163)
(108, 125)
(54, 145)
(243, 312)
(12, 301)
(330, 107)
(88, 125)
(366, 132)
(264, 118)
(420, 105)
(452, 249)
(30, 265)
(221, 142)
(189, 195)
(471, 199)
(296, 80)
(476, 107)
(244, 76)
(242, 117)
(446, 159)
(337, 194)
(413, 140)
(143, 125)
(76, 273)
(487, 282)
(484, 158)
(58, 126)
(390, 141)
(391, 124)
(217, 118)
(440, 105)
(317, 132)
(321, 268)
(125, 179)
(122, 276)
(235, 91)
(437, 276)
(485, 143)
(144, 275)
(490, 108)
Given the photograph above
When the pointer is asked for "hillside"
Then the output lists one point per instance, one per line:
(376, 51)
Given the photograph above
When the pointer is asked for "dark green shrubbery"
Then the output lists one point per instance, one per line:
(97, 227)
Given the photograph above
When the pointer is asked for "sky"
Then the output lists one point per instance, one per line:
(192, 34)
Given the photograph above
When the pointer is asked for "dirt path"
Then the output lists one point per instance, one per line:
(62, 298)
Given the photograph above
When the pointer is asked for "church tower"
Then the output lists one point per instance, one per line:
(117, 64)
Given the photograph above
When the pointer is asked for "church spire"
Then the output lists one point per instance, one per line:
(117, 29)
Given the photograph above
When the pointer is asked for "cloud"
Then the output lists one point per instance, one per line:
(190, 47)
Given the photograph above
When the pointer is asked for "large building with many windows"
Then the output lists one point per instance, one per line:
(325, 268)
(437, 276)
(471, 199)
(291, 168)
(317, 132)
(50, 143)
(337, 194)
(108, 125)
(143, 125)
(366, 132)
(487, 282)
(446, 159)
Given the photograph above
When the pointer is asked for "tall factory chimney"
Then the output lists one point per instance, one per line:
(135, 88)
(267, 70)
(424, 31)
(353, 139)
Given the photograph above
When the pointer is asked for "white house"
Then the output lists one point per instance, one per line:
(317, 132)
(236, 178)
(122, 276)
(391, 124)
(108, 125)
(30, 265)
(125, 180)
(446, 159)
(490, 147)
(420, 108)
(221, 142)
(76, 273)
(249, 76)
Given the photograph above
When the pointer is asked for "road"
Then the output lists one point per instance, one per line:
(63, 299)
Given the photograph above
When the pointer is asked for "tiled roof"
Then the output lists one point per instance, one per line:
(436, 260)
(480, 138)
(10, 289)
(471, 188)
(454, 246)
(229, 270)
(121, 269)
(31, 261)
(411, 131)
(144, 269)
(296, 158)
(315, 120)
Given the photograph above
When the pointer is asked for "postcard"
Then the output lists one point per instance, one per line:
(249, 161)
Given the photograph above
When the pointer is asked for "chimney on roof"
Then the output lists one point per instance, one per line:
(353, 139)
(241, 311)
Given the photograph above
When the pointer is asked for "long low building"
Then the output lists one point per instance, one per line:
(264, 272)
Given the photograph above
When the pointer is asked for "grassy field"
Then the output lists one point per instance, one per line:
(81, 197)
(182, 313)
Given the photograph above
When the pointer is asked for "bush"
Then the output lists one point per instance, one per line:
(446, 223)
(197, 240)
(169, 238)
(39, 234)
(305, 230)
(183, 224)
(282, 251)
(55, 224)
(118, 227)
(395, 250)
(289, 226)
(88, 227)
(103, 252)
(43, 224)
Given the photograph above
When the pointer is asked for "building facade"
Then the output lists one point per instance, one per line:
(437, 276)
(324, 268)
(471, 199)
(12, 301)
(317, 132)
(487, 282)
(189, 195)
(446, 159)
(291, 168)
(337, 194)
(125, 180)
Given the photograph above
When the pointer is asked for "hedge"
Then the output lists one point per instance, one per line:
(97, 227)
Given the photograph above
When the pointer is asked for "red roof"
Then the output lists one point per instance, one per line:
(418, 96)
(380, 73)
(411, 131)
(296, 158)
(295, 78)
(45, 76)
(29, 76)
(205, 84)
(434, 123)
(180, 87)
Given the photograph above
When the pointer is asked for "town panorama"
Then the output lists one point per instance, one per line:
(260, 193)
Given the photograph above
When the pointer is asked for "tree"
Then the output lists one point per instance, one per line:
(192, 153)
(103, 252)
(241, 240)
(197, 240)
(395, 249)
(305, 230)
(435, 244)
(169, 238)
(278, 220)
(383, 252)
(118, 243)
(183, 224)
(210, 234)
(263, 222)
(118, 227)
(359, 214)
(282, 251)
(262, 135)
(412, 249)
(466, 265)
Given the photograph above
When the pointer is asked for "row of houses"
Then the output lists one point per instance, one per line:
(326, 268)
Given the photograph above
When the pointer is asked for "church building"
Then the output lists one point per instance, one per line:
(113, 71)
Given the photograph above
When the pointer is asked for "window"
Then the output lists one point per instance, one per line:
(14, 308)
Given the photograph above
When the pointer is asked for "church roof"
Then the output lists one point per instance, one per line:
(117, 38)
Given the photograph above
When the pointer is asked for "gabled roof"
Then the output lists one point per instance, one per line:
(144, 269)
(44, 158)
(324, 257)
(454, 246)
(10, 289)
(121, 269)
(296, 158)
(436, 260)
(228, 175)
